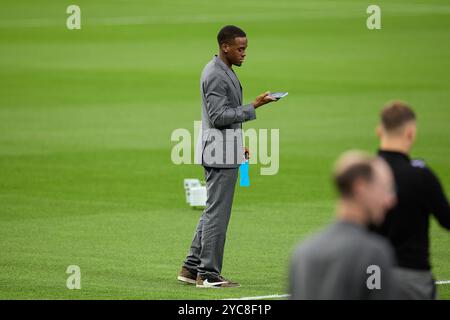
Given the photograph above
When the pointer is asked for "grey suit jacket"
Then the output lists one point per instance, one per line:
(220, 142)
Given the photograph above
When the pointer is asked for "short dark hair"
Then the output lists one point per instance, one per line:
(395, 114)
(351, 166)
(228, 33)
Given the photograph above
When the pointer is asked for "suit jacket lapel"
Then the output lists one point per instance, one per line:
(235, 82)
(232, 76)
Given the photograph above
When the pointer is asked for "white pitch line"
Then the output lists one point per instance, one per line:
(275, 296)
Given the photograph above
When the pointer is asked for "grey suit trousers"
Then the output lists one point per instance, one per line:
(206, 252)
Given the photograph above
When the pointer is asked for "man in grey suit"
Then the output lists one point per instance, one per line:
(346, 261)
(220, 151)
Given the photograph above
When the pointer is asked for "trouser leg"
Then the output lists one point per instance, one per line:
(192, 260)
(207, 248)
(216, 217)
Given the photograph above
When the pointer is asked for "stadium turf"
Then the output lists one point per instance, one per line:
(86, 118)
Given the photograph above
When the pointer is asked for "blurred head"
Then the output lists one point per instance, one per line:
(232, 44)
(366, 183)
(397, 128)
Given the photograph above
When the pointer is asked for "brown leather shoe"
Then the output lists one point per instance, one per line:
(211, 281)
(187, 275)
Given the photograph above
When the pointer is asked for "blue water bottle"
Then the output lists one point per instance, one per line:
(243, 172)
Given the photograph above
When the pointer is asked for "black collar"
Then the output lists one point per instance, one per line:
(390, 153)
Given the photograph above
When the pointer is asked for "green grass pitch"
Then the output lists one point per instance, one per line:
(86, 117)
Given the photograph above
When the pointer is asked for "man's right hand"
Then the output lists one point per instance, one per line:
(262, 99)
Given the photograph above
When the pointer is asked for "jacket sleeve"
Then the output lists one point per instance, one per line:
(219, 111)
(437, 200)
